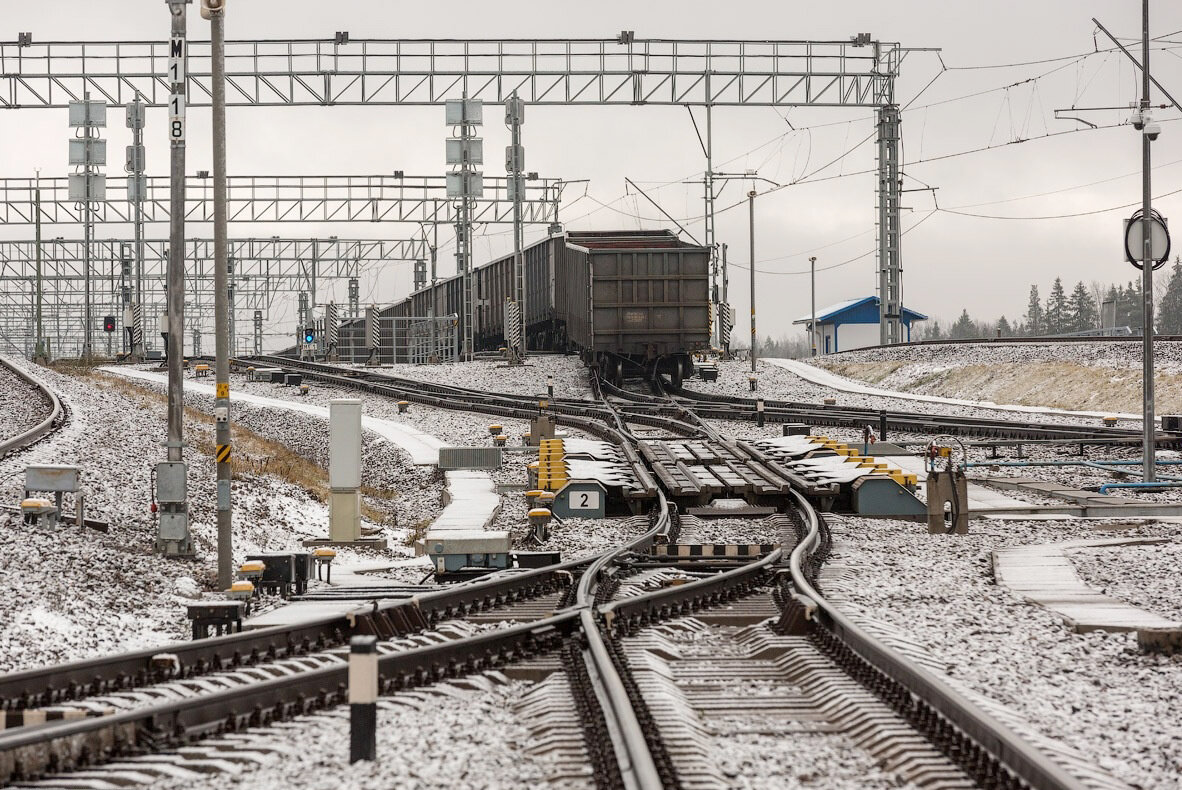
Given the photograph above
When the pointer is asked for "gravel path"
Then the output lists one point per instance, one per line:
(21, 404)
(1095, 691)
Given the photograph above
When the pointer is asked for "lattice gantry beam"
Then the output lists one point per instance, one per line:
(285, 263)
(393, 72)
(282, 199)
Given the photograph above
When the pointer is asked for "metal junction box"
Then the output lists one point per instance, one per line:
(170, 482)
(451, 458)
(52, 478)
(451, 550)
(344, 443)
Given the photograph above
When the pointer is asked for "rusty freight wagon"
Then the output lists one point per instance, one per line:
(629, 302)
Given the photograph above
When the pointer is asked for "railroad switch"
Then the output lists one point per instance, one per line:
(403, 405)
(947, 490)
(500, 439)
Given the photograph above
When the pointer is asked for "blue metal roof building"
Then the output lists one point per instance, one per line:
(853, 324)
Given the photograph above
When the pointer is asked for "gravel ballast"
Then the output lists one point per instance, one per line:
(1094, 691)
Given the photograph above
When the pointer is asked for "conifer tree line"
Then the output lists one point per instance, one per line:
(1077, 310)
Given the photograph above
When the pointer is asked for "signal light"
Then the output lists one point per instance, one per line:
(109, 323)
(309, 336)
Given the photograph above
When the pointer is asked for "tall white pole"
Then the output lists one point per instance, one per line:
(751, 231)
(1148, 451)
(813, 297)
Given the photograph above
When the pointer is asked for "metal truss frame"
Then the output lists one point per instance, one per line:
(263, 268)
(372, 198)
(325, 72)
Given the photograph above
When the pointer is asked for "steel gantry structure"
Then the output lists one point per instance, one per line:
(624, 70)
(251, 199)
(365, 198)
(259, 270)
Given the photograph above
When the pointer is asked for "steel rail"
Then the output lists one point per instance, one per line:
(56, 418)
(80, 679)
(1026, 763)
(31, 751)
(26, 751)
(912, 422)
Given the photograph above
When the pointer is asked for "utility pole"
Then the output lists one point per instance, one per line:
(813, 298)
(466, 184)
(711, 242)
(87, 151)
(751, 232)
(173, 537)
(1143, 122)
(1149, 445)
(215, 12)
(515, 165)
(39, 355)
(137, 185)
(87, 232)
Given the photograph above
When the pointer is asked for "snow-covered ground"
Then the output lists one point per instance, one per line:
(74, 593)
(1092, 376)
(21, 404)
(780, 384)
(1095, 691)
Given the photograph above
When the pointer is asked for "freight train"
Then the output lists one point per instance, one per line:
(629, 302)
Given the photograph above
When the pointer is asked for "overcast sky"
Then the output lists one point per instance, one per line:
(950, 261)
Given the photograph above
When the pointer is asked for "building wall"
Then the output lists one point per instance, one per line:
(851, 336)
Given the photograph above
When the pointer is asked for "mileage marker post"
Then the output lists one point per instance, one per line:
(363, 698)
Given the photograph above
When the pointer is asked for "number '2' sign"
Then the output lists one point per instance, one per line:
(584, 500)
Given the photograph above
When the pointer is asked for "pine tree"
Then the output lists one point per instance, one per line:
(1169, 315)
(1055, 312)
(934, 332)
(1034, 316)
(1081, 310)
(1003, 328)
(963, 327)
(1131, 308)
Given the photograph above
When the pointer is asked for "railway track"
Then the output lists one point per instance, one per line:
(595, 618)
(54, 420)
(733, 407)
(1001, 341)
